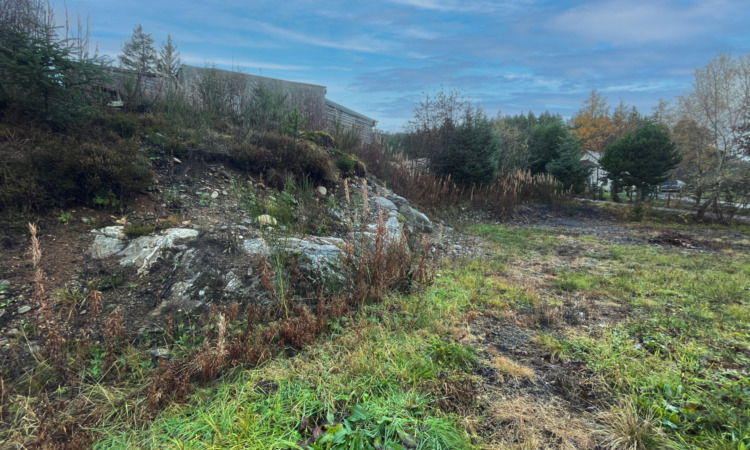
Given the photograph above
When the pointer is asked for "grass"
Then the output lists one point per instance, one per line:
(375, 380)
(677, 355)
(662, 348)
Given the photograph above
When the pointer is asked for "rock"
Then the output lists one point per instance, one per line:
(224, 192)
(114, 232)
(415, 219)
(214, 195)
(159, 353)
(384, 203)
(318, 259)
(422, 222)
(266, 220)
(144, 251)
(13, 332)
(334, 215)
(24, 309)
(176, 160)
(104, 247)
(322, 190)
(85, 219)
(4, 283)
(3, 341)
(255, 247)
(394, 229)
(33, 348)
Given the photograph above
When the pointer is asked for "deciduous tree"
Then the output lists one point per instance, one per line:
(719, 104)
(592, 124)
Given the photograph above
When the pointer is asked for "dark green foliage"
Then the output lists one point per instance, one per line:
(642, 158)
(39, 78)
(473, 152)
(566, 167)
(545, 138)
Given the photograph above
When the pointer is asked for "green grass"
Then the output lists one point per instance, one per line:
(371, 383)
(683, 350)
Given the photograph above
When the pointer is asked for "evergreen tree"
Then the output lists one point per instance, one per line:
(39, 78)
(642, 158)
(138, 55)
(169, 61)
(566, 167)
(545, 140)
(473, 152)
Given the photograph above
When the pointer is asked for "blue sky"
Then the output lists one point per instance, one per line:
(509, 56)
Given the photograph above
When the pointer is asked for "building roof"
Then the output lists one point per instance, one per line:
(192, 72)
(352, 112)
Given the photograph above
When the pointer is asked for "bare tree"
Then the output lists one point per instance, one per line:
(719, 104)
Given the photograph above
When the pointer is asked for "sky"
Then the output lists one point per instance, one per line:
(380, 57)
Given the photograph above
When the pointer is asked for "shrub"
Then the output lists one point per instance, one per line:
(42, 170)
(276, 156)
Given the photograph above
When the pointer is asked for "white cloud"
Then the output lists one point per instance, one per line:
(624, 22)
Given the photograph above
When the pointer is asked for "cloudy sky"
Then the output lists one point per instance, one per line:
(508, 55)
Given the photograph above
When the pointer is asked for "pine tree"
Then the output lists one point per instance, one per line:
(642, 158)
(138, 55)
(169, 60)
(567, 167)
(473, 153)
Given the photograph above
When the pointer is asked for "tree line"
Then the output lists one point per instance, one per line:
(702, 139)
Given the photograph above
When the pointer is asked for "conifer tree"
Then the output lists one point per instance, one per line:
(138, 55)
(169, 60)
(642, 158)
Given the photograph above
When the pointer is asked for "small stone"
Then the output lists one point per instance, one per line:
(242, 227)
(3, 341)
(13, 332)
(322, 190)
(186, 222)
(34, 348)
(85, 219)
(224, 192)
(215, 195)
(83, 312)
(5, 283)
(224, 227)
(334, 215)
(176, 160)
(159, 353)
(24, 309)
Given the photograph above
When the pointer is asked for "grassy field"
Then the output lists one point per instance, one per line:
(548, 340)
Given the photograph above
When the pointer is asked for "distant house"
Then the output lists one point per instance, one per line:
(598, 175)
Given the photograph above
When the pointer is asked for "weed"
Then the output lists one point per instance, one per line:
(631, 427)
(134, 230)
(453, 355)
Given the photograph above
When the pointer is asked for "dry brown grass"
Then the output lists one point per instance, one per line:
(523, 423)
(512, 369)
(628, 427)
(502, 196)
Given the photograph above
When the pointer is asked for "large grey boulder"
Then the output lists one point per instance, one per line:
(107, 242)
(145, 251)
